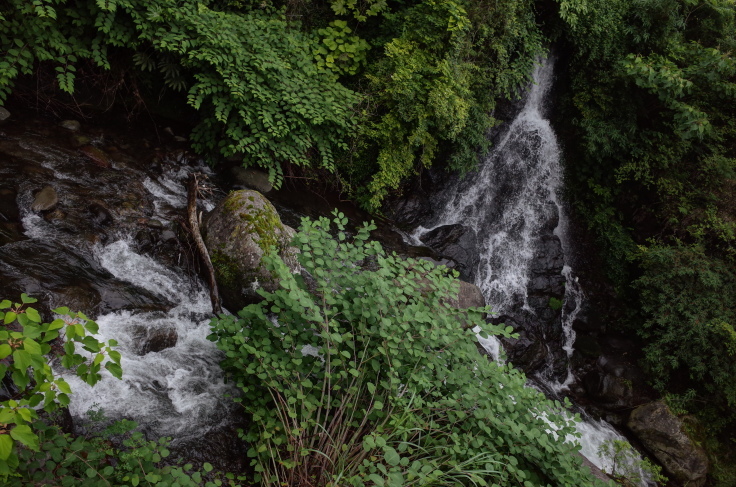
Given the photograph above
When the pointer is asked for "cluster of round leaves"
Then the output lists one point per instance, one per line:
(95, 461)
(33, 452)
(361, 371)
(24, 343)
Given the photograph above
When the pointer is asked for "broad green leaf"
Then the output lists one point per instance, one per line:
(6, 446)
(23, 434)
(391, 456)
(33, 315)
(9, 317)
(5, 350)
(92, 327)
(114, 369)
(56, 324)
(22, 359)
(31, 346)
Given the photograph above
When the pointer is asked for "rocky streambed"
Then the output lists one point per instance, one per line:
(91, 218)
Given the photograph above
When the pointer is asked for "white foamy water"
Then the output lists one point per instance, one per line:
(507, 204)
(175, 391)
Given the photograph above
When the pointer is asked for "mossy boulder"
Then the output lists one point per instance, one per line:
(665, 436)
(238, 233)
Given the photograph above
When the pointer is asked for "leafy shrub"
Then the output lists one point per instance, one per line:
(361, 371)
(24, 343)
(32, 452)
(253, 79)
(688, 301)
(628, 467)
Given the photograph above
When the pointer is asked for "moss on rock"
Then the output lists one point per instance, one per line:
(239, 232)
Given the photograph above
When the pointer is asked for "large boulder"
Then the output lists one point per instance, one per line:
(252, 178)
(662, 433)
(238, 233)
(457, 243)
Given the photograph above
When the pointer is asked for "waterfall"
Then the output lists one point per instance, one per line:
(511, 206)
(508, 203)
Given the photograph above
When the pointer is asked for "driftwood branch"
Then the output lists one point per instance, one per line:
(192, 187)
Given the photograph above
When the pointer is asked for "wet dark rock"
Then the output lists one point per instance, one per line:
(527, 351)
(154, 339)
(100, 215)
(80, 140)
(4, 114)
(470, 296)
(238, 232)
(72, 125)
(78, 297)
(219, 446)
(45, 199)
(552, 217)
(252, 179)
(458, 243)
(546, 268)
(663, 434)
(9, 211)
(153, 223)
(411, 210)
(96, 156)
(145, 240)
(617, 382)
(44, 270)
(588, 346)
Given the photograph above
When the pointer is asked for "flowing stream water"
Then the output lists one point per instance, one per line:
(172, 384)
(508, 204)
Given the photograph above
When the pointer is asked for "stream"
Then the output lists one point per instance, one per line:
(111, 247)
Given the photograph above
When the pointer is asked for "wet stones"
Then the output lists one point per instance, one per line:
(96, 156)
(664, 435)
(45, 200)
(72, 125)
(457, 243)
(4, 114)
(252, 179)
(148, 340)
(99, 214)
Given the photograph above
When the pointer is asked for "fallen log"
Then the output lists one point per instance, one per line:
(192, 188)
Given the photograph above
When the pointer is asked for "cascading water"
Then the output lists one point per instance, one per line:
(512, 210)
(172, 384)
(508, 205)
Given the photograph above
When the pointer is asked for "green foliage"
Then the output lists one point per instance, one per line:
(629, 468)
(338, 51)
(252, 78)
(444, 65)
(691, 343)
(653, 95)
(555, 304)
(94, 461)
(24, 343)
(358, 372)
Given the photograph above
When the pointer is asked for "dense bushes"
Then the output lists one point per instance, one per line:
(33, 451)
(652, 100)
(370, 91)
(360, 371)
